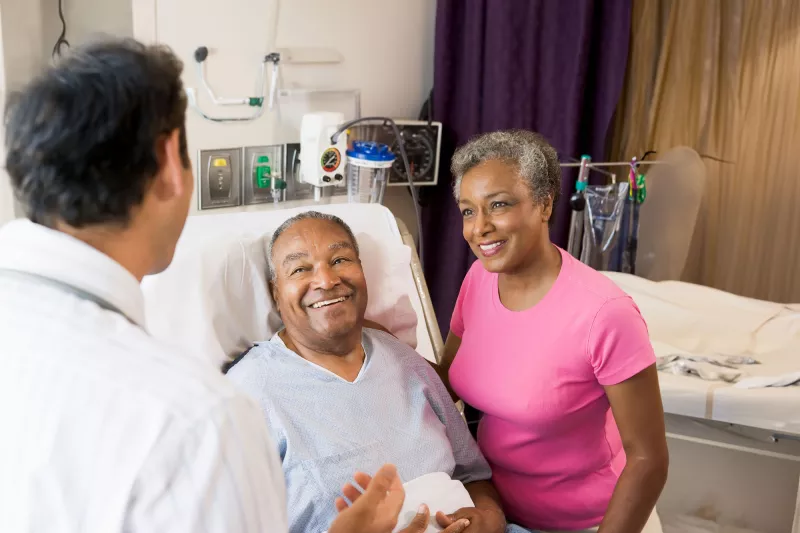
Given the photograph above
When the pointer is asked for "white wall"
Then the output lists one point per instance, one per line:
(387, 49)
(21, 58)
(28, 32)
(7, 208)
(22, 31)
(85, 18)
(6, 199)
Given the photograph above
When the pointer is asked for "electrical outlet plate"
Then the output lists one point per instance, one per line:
(219, 174)
(253, 194)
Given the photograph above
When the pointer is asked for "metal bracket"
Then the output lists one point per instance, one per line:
(200, 56)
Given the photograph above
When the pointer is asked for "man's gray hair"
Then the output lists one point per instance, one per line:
(305, 216)
(535, 159)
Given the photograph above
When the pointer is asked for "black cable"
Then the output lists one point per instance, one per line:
(717, 159)
(62, 39)
(406, 164)
(430, 109)
(702, 156)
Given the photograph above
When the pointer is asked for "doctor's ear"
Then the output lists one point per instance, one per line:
(170, 178)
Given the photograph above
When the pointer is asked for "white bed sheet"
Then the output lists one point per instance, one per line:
(687, 318)
(186, 307)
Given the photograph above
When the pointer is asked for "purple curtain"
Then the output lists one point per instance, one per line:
(552, 66)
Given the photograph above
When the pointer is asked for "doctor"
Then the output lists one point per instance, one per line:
(104, 428)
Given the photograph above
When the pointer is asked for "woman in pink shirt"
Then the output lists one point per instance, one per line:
(554, 354)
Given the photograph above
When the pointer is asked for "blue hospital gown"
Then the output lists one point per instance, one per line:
(397, 411)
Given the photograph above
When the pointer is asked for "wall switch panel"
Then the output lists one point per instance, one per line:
(220, 177)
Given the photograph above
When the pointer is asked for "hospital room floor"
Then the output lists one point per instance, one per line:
(692, 524)
(717, 490)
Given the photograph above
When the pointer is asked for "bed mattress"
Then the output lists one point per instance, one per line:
(690, 319)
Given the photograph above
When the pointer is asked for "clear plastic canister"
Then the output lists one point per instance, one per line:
(368, 165)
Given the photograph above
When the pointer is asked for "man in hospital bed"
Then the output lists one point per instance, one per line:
(339, 397)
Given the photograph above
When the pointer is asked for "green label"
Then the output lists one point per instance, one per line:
(262, 177)
(639, 194)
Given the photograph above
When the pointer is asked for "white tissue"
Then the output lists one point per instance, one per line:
(438, 492)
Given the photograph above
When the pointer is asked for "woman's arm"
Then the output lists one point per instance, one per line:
(487, 515)
(451, 346)
(636, 405)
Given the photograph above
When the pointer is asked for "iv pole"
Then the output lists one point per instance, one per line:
(577, 201)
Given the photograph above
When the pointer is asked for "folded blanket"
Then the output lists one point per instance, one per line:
(703, 371)
(784, 380)
(710, 367)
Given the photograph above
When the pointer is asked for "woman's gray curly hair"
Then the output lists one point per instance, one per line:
(531, 154)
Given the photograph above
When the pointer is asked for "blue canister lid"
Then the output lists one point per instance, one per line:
(371, 152)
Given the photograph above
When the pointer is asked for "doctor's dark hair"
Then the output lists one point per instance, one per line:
(81, 137)
(534, 158)
(306, 215)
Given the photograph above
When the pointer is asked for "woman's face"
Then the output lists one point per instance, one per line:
(502, 224)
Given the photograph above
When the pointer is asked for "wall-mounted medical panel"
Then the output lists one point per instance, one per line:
(263, 179)
(220, 178)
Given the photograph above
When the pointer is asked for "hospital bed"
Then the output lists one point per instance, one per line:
(212, 301)
(715, 427)
(735, 451)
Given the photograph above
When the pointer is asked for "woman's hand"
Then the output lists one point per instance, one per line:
(420, 523)
(480, 520)
(487, 515)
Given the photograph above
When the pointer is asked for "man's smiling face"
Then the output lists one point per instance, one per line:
(318, 285)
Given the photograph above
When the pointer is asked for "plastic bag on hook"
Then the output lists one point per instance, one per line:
(601, 222)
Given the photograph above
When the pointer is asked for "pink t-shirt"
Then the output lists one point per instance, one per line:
(538, 377)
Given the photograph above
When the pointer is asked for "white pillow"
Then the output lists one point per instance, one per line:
(699, 319)
(389, 304)
(214, 299)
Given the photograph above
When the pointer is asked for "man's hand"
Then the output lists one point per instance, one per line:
(374, 511)
(481, 520)
(377, 509)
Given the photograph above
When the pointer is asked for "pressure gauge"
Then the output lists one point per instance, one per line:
(422, 141)
(421, 154)
(331, 159)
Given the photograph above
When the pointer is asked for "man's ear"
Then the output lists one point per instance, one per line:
(273, 291)
(169, 180)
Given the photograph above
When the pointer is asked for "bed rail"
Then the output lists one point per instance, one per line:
(422, 289)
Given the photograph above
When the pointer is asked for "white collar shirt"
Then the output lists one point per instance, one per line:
(104, 428)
